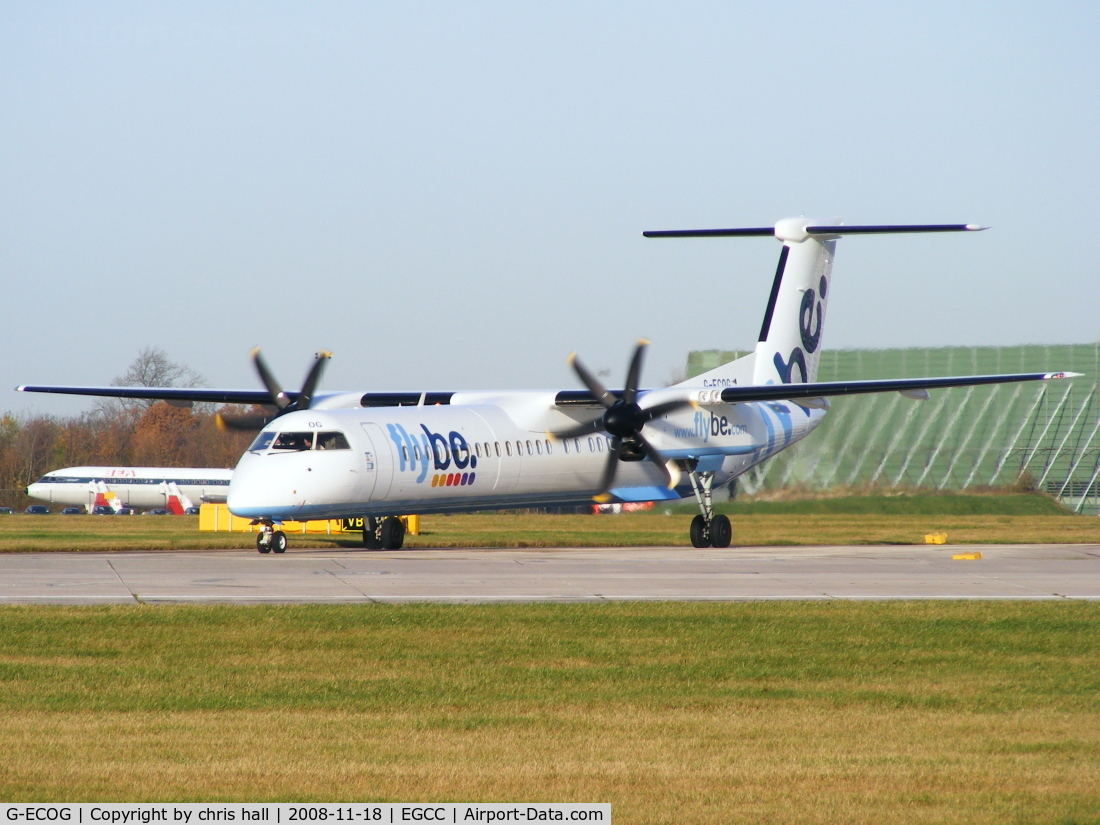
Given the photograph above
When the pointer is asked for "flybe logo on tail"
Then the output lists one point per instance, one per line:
(420, 451)
(810, 316)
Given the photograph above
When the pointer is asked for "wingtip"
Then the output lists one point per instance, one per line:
(324, 354)
(973, 227)
(571, 357)
(254, 352)
(219, 422)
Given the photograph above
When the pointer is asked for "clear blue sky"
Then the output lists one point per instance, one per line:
(451, 195)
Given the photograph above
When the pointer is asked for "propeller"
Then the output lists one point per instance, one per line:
(623, 419)
(279, 399)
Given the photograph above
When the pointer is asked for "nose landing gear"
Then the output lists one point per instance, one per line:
(708, 529)
(269, 539)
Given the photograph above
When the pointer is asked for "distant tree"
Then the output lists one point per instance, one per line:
(151, 368)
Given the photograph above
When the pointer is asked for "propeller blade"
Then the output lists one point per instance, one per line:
(242, 422)
(593, 426)
(612, 464)
(305, 397)
(633, 375)
(665, 407)
(598, 390)
(278, 397)
(670, 470)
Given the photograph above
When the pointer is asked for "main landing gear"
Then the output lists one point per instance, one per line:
(708, 529)
(269, 539)
(383, 534)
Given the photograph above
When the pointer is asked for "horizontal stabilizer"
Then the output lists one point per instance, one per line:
(831, 231)
(759, 232)
(787, 392)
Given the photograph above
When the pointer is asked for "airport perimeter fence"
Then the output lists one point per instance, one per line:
(1044, 435)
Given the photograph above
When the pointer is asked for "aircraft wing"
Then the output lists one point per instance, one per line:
(915, 386)
(200, 394)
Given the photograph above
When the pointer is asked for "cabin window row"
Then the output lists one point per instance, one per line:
(507, 449)
(181, 482)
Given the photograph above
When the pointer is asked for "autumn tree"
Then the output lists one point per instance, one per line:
(163, 436)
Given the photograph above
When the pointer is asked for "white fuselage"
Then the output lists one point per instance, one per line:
(485, 451)
(133, 486)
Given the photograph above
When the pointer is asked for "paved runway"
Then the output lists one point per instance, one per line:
(565, 575)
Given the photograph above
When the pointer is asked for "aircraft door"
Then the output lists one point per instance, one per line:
(377, 462)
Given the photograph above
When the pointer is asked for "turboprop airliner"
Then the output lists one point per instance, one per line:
(321, 455)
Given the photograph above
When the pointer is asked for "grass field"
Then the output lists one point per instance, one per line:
(674, 713)
(869, 519)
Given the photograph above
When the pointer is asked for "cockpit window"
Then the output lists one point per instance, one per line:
(262, 442)
(293, 441)
(332, 441)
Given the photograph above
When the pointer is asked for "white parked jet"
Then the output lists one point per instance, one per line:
(130, 486)
(335, 454)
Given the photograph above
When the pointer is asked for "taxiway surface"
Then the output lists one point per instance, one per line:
(564, 574)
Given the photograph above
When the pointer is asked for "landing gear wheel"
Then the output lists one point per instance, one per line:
(393, 533)
(721, 533)
(699, 536)
(278, 541)
(370, 534)
(263, 543)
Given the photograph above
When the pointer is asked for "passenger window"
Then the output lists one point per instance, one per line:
(548, 446)
(293, 441)
(519, 448)
(416, 454)
(477, 448)
(488, 452)
(332, 441)
(405, 454)
(591, 447)
(496, 448)
(462, 454)
(577, 444)
(538, 447)
(565, 446)
(599, 444)
(262, 442)
(508, 448)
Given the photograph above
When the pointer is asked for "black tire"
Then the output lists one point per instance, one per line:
(261, 543)
(278, 541)
(721, 532)
(699, 535)
(393, 533)
(370, 534)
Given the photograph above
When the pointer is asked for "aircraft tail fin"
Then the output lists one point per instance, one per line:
(789, 346)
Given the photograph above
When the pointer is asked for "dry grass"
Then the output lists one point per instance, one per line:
(895, 712)
(798, 763)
